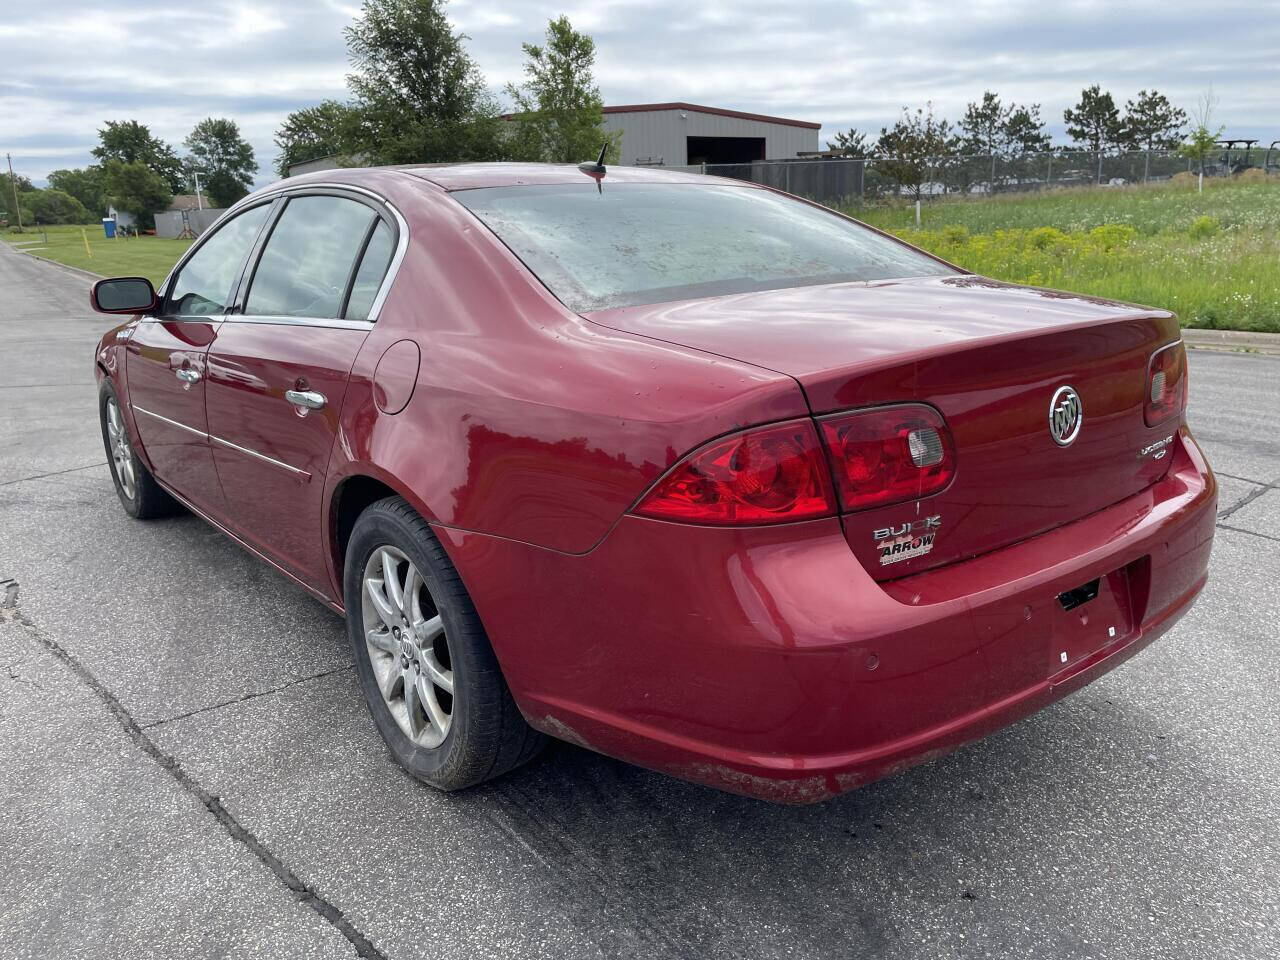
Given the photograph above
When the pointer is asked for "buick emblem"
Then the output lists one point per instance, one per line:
(1065, 416)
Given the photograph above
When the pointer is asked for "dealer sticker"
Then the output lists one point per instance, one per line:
(906, 541)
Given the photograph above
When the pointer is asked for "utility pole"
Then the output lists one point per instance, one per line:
(199, 200)
(13, 184)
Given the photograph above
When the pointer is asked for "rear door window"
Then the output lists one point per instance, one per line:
(306, 264)
(373, 268)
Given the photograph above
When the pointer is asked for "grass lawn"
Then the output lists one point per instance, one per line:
(149, 257)
(1212, 258)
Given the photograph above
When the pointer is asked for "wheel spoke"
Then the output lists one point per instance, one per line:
(411, 699)
(386, 612)
(391, 581)
(427, 631)
(408, 598)
(392, 682)
(427, 693)
(441, 677)
(382, 640)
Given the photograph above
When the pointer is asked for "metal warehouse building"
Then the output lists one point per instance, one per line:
(680, 134)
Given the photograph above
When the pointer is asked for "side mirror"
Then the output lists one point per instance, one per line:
(123, 295)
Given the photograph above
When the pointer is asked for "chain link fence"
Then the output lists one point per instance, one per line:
(837, 180)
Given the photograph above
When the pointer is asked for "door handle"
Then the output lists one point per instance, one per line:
(305, 398)
(187, 376)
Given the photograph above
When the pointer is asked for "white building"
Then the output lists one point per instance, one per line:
(681, 134)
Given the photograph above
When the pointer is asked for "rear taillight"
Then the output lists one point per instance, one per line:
(770, 474)
(888, 454)
(1166, 384)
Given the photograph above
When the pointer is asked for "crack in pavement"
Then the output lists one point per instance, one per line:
(243, 698)
(55, 473)
(1244, 501)
(1252, 533)
(365, 948)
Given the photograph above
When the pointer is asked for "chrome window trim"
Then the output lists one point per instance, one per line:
(172, 423)
(336, 323)
(287, 189)
(260, 456)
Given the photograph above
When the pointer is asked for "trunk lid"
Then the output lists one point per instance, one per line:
(989, 357)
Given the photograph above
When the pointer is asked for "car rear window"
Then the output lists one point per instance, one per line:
(640, 243)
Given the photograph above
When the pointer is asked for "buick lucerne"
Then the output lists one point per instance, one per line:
(684, 470)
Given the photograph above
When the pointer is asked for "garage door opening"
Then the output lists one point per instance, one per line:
(725, 149)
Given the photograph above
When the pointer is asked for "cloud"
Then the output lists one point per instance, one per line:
(836, 62)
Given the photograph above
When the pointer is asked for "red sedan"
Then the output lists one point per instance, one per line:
(679, 469)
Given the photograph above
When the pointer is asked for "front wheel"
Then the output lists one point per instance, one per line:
(427, 671)
(140, 495)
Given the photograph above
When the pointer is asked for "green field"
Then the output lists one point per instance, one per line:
(1212, 258)
(148, 257)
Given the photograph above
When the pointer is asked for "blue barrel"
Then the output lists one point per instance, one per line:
(108, 227)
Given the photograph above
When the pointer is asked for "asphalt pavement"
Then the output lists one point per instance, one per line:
(187, 768)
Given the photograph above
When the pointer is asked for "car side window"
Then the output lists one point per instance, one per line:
(204, 284)
(307, 261)
(373, 268)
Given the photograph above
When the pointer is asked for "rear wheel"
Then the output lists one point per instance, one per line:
(140, 495)
(429, 676)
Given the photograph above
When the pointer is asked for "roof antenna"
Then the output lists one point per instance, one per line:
(596, 170)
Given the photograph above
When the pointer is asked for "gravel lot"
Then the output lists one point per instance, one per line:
(187, 768)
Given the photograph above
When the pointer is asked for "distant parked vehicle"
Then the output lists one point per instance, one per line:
(677, 468)
(1236, 156)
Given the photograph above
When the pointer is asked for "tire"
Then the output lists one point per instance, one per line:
(140, 495)
(451, 735)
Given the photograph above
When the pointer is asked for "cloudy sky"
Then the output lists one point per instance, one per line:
(68, 65)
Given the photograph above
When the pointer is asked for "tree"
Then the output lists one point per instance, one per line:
(916, 149)
(83, 183)
(326, 129)
(129, 141)
(983, 124)
(560, 114)
(420, 97)
(989, 128)
(136, 189)
(17, 182)
(1203, 138)
(1024, 130)
(850, 143)
(1095, 122)
(53, 206)
(1153, 123)
(16, 186)
(223, 159)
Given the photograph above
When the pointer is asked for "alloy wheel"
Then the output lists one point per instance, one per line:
(121, 452)
(408, 648)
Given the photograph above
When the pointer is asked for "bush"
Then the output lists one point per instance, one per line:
(1112, 235)
(1184, 179)
(1042, 238)
(54, 206)
(1203, 227)
(1252, 175)
(955, 236)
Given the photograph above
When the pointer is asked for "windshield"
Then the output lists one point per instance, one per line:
(654, 242)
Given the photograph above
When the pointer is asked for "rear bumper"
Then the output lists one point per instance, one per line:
(766, 661)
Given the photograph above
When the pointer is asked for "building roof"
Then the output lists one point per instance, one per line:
(188, 201)
(717, 111)
(468, 176)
